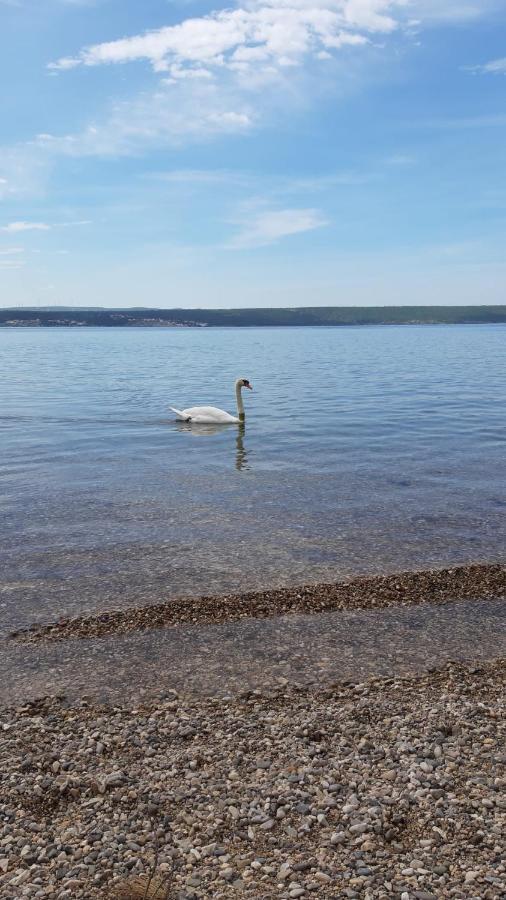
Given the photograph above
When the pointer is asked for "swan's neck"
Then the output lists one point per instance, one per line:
(238, 397)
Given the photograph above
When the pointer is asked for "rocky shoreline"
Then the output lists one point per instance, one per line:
(392, 788)
(434, 586)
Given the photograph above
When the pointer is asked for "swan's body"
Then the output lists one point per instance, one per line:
(205, 415)
(211, 415)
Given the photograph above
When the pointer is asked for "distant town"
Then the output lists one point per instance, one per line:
(79, 317)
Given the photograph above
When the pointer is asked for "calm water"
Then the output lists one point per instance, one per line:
(364, 450)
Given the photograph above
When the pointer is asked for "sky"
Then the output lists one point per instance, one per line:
(180, 153)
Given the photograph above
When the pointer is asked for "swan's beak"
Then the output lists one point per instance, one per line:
(249, 387)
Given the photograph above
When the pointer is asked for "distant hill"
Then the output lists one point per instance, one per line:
(323, 315)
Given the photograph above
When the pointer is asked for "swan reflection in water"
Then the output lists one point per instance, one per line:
(208, 430)
(241, 454)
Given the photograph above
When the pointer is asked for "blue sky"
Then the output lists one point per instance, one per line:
(266, 153)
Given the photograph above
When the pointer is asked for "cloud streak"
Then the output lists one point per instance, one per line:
(14, 227)
(17, 227)
(271, 226)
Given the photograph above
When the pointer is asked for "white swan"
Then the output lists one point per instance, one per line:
(211, 415)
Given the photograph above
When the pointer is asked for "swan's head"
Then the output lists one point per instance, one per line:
(243, 382)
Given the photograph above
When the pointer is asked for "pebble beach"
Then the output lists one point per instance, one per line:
(390, 787)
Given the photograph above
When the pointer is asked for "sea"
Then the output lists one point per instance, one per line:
(364, 450)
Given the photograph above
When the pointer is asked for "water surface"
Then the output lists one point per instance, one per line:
(368, 449)
(256, 653)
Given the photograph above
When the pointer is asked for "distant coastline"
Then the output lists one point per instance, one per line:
(68, 317)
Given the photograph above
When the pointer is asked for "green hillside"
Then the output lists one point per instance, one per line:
(324, 315)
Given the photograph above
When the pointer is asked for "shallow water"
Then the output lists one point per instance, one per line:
(364, 450)
(216, 660)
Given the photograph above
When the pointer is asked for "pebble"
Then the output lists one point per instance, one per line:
(232, 799)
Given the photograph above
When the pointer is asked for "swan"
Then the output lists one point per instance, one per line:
(211, 415)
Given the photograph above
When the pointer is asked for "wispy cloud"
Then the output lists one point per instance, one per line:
(195, 176)
(7, 264)
(495, 120)
(14, 227)
(159, 118)
(80, 2)
(25, 226)
(248, 179)
(401, 160)
(494, 67)
(23, 170)
(11, 251)
(269, 227)
(452, 11)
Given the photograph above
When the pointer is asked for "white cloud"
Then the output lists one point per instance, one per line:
(11, 251)
(494, 67)
(26, 226)
(267, 32)
(218, 71)
(270, 33)
(269, 227)
(221, 73)
(66, 62)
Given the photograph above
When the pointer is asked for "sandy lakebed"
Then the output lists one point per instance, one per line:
(331, 778)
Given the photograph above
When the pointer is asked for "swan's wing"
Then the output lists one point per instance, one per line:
(208, 415)
(180, 414)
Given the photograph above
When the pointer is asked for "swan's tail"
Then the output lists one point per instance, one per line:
(179, 414)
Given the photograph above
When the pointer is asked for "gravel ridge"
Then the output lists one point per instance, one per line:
(371, 592)
(391, 788)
